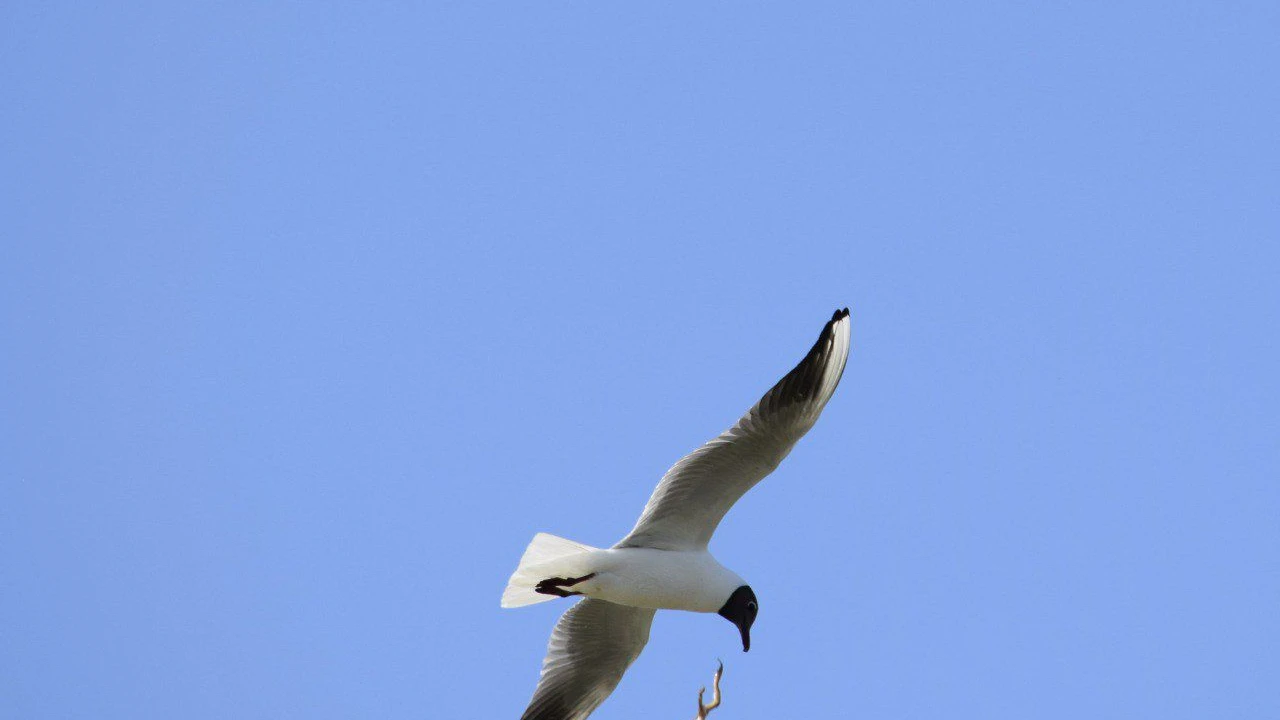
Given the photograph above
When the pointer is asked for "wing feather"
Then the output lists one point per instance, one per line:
(695, 494)
(592, 646)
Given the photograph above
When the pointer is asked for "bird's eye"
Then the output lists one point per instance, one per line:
(752, 606)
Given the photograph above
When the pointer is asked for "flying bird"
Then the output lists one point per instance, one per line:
(663, 563)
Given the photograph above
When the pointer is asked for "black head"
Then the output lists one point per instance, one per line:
(741, 609)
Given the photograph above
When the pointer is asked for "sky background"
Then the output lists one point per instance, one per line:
(314, 314)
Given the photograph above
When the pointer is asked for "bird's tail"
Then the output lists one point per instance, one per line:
(547, 556)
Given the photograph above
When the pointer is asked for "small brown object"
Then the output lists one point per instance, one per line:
(705, 710)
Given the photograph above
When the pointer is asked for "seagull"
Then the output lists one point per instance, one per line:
(663, 563)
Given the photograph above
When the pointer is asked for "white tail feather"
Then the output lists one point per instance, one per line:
(547, 556)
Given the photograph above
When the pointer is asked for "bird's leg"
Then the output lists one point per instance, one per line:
(556, 586)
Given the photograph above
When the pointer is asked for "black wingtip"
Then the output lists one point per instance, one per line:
(840, 314)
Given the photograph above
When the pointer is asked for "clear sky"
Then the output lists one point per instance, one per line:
(313, 315)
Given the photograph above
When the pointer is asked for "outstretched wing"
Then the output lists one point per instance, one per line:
(592, 646)
(694, 495)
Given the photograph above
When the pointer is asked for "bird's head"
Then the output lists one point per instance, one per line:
(740, 609)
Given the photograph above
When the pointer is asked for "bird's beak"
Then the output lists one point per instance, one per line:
(746, 636)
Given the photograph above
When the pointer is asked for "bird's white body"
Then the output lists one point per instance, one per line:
(659, 579)
(635, 577)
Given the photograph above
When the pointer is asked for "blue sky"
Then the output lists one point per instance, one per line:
(316, 313)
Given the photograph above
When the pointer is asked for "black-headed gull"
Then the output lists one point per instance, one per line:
(663, 564)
